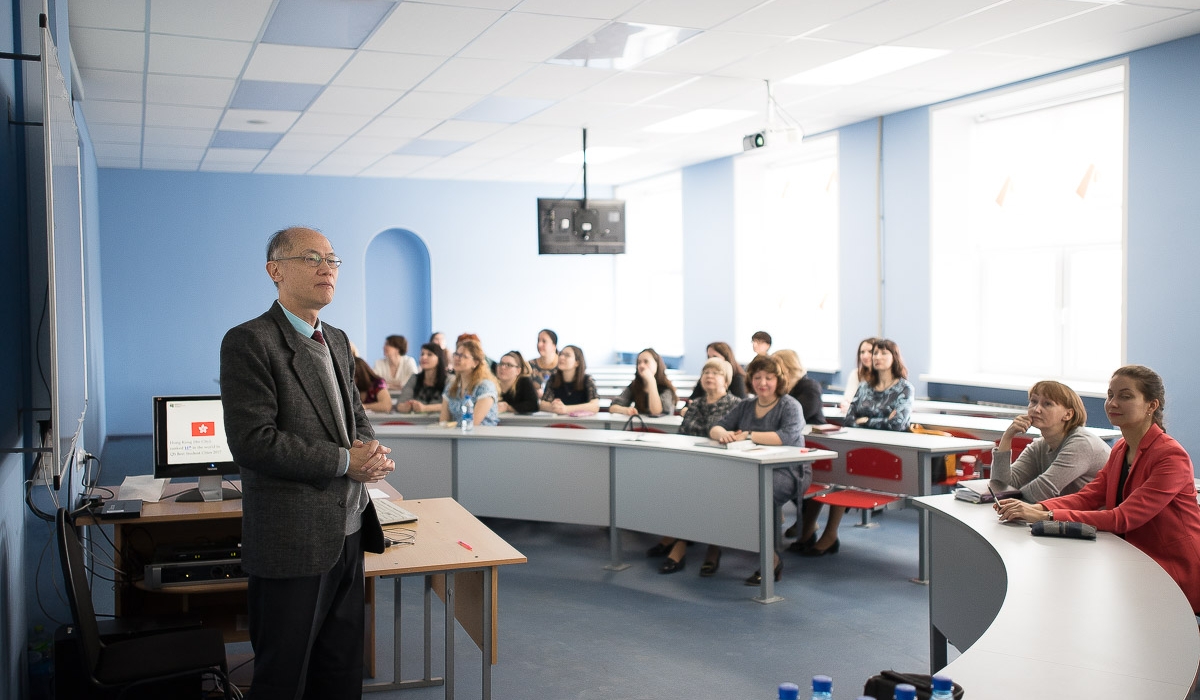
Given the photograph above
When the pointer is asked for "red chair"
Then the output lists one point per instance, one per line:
(573, 426)
(872, 462)
(821, 465)
(396, 422)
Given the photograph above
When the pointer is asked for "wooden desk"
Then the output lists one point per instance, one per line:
(662, 484)
(1069, 618)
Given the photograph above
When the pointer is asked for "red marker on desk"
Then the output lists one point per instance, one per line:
(464, 545)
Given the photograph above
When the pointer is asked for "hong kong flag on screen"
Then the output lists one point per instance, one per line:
(204, 429)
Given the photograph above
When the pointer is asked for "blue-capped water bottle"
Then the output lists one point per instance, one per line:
(943, 688)
(789, 691)
(822, 687)
(904, 691)
(468, 415)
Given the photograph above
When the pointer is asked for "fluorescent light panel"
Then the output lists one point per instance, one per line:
(865, 65)
(622, 45)
(699, 120)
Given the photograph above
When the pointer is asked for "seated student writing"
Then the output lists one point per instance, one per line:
(473, 379)
(1063, 460)
(423, 393)
(517, 392)
(570, 389)
(650, 393)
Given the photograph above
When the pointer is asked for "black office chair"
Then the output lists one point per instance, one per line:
(129, 663)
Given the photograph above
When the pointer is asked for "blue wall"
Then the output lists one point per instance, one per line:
(708, 254)
(399, 299)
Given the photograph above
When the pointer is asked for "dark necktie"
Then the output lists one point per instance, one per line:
(317, 336)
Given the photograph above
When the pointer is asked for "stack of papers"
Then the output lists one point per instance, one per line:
(976, 491)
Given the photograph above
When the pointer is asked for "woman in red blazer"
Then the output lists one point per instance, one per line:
(1146, 491)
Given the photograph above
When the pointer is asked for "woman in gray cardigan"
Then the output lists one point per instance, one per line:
(1063, 460)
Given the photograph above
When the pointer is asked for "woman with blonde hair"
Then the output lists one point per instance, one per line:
(802, 387)
(472, 379)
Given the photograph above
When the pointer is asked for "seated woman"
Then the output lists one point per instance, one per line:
(862, 371)
(722, 350)
(396, 367)
(650, 393)
(802, 387)
(471, 336)
(517, 393)
(423, 393)
(472, 379)
(703, 413)
(571, 388)
(372, 389)
(1063, 460)
(1146, 491)
(883, 402)
(546, 362)
(770, 417)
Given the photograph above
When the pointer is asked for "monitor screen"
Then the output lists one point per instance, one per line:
(567, 226)
(189, 438)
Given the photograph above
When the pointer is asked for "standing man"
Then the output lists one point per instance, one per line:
(298, 431)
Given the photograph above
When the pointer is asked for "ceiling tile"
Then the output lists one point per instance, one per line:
(709, 51)
(554, 82)
(186, 117)
(488, 4)
(571, 113)
(238, 20)
(534, 38)
(700, 14)
(102, 112)
(473, 75)
(261, 120)
(117, 150)
(188, 90)
(374, 146)
(431, 147)
(295, 158)
(335, 168)
(406, 127)
(788, 59)
(212, 165)
(265, 168)
(993, 22)
(343, 159)
(109, 49)
(432, 105)
(172, 152)
(599, 9)
(235, 155)
(506, 110)
(111, 14)
(111, 85)
(1072, 37)
(393, 71)
(889, 22)
(295, 64)
(187, 165)
(446, 168)
(115, 133)
(259, 94)
(434, 30)
(293, 141)
(170, 136)
(462, 131)
(329, 124)
(704, 90)
(630, 87)
(961, 69)
(793, 18)
(397, 166)
(244, 139)
(1181, 4)
(349, 100)
(329, 23)
(212, 58)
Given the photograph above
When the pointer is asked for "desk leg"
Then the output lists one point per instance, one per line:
(487, 633)
(614, 535)
(397, 683)
(449, 676)
(925, 480)
(766, 535)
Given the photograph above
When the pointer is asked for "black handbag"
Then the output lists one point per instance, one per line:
(883, 686)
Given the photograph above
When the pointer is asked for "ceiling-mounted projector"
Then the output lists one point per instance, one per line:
(753, 141)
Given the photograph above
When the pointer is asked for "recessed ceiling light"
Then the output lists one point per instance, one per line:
(865, 65)
(623, 45)
(699, 120)
(598, 154)
(256, 122)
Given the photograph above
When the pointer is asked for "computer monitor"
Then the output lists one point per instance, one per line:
(189, 440)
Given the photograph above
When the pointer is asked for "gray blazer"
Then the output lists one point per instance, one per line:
(284, 438)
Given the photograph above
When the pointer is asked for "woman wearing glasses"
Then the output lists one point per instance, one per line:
(650, 393)
(517, 393)
(423, 393)
(571, 388)
(474, 380)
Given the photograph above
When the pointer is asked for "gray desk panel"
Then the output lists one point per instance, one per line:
(968, 580)
(423, 466)
(696, 497)
(532, 480)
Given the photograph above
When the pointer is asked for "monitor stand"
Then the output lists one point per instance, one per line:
(209, 490)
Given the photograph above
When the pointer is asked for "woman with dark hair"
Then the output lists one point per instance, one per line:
(650, 393)
(396, 366)
(423, 393)
(883, 402)
(862, 371)
(1063, 460)
(571, 388)
(770, 417)
(473, 379)
(1145, 493)
(517, 392)
(372, 389)
(546, 362)
(722, 350)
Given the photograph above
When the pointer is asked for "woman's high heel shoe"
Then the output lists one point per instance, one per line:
(670, 566)
(755, 579)
(814, 552)
(802, 547)
(660, 549)
(708, 568)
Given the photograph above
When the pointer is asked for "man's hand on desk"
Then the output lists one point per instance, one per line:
(369, 461)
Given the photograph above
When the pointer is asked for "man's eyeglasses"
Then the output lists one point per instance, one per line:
(315, 260)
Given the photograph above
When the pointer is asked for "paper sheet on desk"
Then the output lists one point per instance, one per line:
(144, 487)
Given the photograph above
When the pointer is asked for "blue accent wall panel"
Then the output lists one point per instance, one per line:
(708, 257)
(858, 299)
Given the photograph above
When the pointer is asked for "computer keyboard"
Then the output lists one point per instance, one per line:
(390, 513)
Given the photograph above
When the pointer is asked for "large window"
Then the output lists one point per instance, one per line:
(1028, 229)
(649, 276)
(786, 272)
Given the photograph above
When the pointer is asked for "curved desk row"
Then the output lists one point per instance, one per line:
(1049, 617)
(602, 420)
(665, 484)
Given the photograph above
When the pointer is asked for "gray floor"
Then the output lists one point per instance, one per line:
(571, 629)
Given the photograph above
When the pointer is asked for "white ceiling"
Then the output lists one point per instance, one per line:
(461, 89)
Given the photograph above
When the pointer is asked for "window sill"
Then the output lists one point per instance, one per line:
(1088, 388)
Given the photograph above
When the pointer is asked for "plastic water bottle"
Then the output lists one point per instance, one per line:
(789, 691)
(822, 688)
(905, 691)
(943, 688)
(468, 415)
